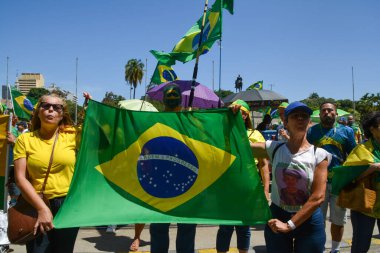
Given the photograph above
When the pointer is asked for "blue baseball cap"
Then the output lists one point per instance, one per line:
(297, 106)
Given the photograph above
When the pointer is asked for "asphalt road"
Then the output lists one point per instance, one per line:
(97, 240)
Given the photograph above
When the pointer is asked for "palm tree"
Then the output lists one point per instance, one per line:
(134, 72)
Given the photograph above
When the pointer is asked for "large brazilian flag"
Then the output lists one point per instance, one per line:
(158, 167)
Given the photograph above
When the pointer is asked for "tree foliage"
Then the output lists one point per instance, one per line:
(134, 73)
(112, 99)
(368, 103)
(223, 93)
(36, 93)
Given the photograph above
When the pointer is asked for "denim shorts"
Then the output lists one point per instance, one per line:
(338, 215)
(309, 237)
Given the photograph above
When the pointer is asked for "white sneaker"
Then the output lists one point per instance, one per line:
(111, 229)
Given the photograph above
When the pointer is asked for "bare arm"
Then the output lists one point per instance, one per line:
(317, 196)
(45, 217)
(259, 150)
(263, 166)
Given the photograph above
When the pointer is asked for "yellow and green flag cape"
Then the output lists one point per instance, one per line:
(357, 162)
(3, 154)
(159, 167)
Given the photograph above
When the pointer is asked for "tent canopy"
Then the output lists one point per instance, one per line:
(257, 98)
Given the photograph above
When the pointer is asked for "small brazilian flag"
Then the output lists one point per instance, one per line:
(256, 86)
(159, 167)
(163, 72)
(22, 106)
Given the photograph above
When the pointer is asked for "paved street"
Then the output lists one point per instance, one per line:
(97, 240)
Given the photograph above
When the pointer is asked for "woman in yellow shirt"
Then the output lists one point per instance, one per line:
(31, 158)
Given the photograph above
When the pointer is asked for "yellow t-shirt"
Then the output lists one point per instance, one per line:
(255, 136)
(37, 152)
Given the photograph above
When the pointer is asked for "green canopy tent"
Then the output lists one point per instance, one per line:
(315, 115)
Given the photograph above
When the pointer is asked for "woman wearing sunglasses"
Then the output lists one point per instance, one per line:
(51, 127)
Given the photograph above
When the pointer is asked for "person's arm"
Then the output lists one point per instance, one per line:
(45, 217)
(317, 196)
(259, 150)
(263, 166)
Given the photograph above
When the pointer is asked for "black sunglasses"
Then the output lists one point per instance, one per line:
(56, 107)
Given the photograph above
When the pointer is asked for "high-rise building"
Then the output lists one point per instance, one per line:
(4, 90)
(26, 81)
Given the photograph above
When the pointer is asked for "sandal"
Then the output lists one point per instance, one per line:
(135, 245)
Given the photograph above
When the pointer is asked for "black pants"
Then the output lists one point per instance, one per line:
(56, 240)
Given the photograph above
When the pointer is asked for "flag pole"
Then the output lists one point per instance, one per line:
(195, 72)
(76, 91)
(8, 90)
(353, 88)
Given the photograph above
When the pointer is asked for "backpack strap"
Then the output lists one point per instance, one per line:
(276, 148)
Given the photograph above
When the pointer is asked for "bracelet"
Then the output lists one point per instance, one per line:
(291, 225)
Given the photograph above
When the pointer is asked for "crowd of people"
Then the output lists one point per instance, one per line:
(298, 162)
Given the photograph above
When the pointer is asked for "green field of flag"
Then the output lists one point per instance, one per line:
(158, 167)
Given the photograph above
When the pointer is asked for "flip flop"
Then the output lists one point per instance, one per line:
(135, 245)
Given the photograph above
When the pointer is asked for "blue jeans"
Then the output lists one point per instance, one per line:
(223, 238)
(159, 238)
(308, 237)
(362, 229)
(56, 240)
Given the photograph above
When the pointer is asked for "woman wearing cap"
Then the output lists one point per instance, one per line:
(243, 233)
(296, 227)
(51, 125)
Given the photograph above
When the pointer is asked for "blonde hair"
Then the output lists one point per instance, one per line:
(66, 119)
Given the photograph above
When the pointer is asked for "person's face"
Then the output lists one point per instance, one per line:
(14, 120)
(298, 121)
(350, 120)
(50, 111)
(291, 182)
(20, 128)
(328, 114)
(375, 130)
(244, 115)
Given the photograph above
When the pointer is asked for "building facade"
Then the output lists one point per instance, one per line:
(27, 81)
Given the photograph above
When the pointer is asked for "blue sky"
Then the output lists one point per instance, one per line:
(296, 47)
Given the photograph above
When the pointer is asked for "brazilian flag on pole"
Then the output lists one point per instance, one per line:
(163, 72)
(159, 167)
(256, 86)
(186, 49)
(22, 106)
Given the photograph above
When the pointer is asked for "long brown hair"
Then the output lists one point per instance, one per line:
(66, 119)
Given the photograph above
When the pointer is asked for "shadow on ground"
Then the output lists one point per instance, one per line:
(110, 242)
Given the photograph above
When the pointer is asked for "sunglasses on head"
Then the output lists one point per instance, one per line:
(56, 107)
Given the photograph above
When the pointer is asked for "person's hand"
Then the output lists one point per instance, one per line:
(278, 226)
(235, 108)
(86, 96)
(44, 221)
(376, 166)
(11, 138)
